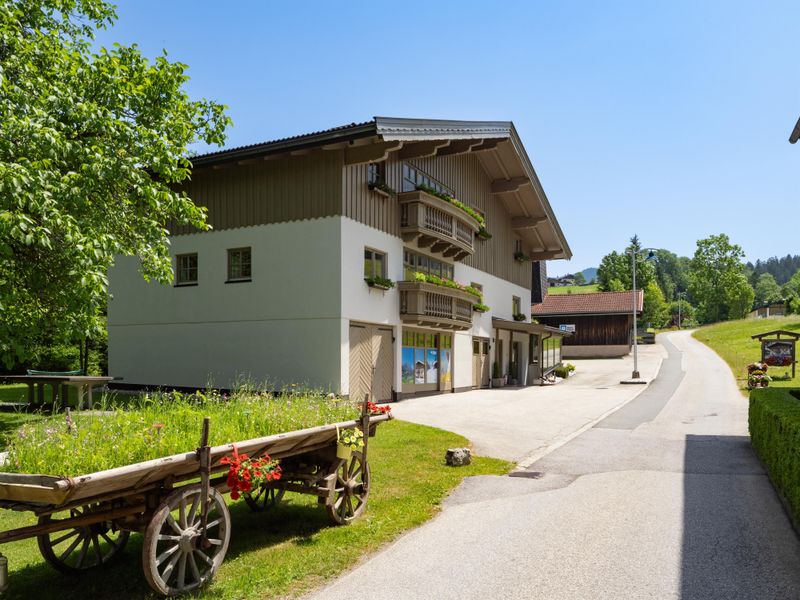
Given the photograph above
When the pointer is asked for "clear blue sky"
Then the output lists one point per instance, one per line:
(666, 119)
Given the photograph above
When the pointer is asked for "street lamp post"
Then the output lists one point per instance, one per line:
(651, 255)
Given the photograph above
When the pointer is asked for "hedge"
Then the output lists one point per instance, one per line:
(774, 421)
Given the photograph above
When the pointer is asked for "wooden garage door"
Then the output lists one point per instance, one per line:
(371, 346)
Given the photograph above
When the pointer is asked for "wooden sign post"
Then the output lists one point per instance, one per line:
(778, 348)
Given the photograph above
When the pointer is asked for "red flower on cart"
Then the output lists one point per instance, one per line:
(246, 474)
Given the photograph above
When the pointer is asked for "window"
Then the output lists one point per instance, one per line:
(186, 269)
(374, 263)
(239, 264)
(518, 246)
(413, 177)
(413, 262)
(516, 305)
(376, 173)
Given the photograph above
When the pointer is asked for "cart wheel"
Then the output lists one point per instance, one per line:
(172, 559)
(81, 548)
(352, 489)
(265, 498)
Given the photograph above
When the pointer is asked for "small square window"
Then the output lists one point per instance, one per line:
(186, 269)
(239, 264)
(374, 263)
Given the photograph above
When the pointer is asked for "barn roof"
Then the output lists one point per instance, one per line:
(599, 303)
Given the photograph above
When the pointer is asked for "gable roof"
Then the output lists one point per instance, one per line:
(597, 303)
(496, 143)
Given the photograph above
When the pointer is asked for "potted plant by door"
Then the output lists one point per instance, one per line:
(497, 380)
(349, 440)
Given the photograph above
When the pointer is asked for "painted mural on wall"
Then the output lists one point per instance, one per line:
(777, 353)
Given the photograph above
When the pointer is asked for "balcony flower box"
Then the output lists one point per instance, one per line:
(520, 317)
(483, 234)
(382, 188)
(521, 257)
(480, 308)
(380, 283)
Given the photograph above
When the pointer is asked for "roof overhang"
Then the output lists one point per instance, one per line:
(496, 144)
(503, 157)
(527, 327)
(585, 314)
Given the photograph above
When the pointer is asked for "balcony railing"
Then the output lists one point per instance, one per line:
(437, 224)
(435, 305)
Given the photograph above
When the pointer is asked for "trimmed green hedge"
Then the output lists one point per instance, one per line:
(774, 420)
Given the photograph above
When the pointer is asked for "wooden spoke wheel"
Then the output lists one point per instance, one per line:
(351, 489)
(264, 499)
(174, 559)
(81, 548)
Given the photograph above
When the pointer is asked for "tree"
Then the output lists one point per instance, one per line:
(655, 309)
(716, 280)
(686, 313)
(92, 144)
(767, 290)
(671, 273)
(617, 266)
(580, 279)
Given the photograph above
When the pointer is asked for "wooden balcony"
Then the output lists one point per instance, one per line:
(435, 305)
(437, 224)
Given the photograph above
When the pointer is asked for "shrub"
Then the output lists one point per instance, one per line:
(774, 421)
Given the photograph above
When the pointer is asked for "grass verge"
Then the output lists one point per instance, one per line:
(731, 340)
(291, 550)
(573, 289)
(774, 421)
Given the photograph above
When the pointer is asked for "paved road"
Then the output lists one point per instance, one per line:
(519, 424)
(664, 499)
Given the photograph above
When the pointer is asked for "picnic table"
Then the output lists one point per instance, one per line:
(60, 385)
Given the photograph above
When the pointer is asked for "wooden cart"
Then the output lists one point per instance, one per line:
(177, 503)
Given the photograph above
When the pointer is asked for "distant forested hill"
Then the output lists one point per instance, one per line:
(781, 269)
(590, 274)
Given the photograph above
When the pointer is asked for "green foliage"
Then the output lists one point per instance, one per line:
(767, 290)
(564, 370)
(781, 269)
(671, 273)
(436, 280)
(92, 143)
(479, 307)
(732, 340)
(774, 420)
(580, 279)
(615, 273)
(457, 203)
(655, 310)
(377, 280)
(717, 282)
(686, 313)
(161, 425)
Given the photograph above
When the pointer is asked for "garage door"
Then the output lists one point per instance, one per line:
(371, 347)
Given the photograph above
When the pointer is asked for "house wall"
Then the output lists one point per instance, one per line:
(279, 190)
(282, 327)
(594, 330)
(366, 305)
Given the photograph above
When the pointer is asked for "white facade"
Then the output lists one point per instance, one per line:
(290, 323)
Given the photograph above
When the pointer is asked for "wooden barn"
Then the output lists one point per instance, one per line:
(601, 323)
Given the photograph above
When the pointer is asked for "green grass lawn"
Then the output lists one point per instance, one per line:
(731, 340)
(290, 550)
(573, 289)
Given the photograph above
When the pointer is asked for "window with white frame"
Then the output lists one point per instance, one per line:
(239, 264)
(516, 305)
